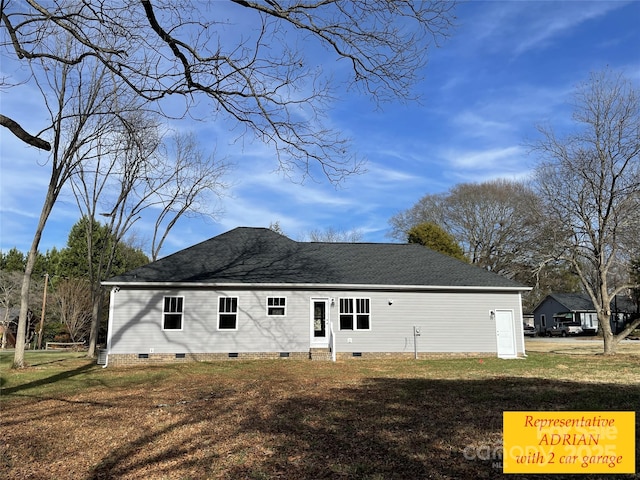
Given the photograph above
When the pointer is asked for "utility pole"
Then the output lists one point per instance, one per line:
(44, 306)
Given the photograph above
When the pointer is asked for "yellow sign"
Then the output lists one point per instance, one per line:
(569, 442)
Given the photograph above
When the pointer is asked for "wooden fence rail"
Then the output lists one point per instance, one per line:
(64, 345)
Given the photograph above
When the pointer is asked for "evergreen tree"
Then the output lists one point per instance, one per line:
(73, 260)
(434, 237)
(13, 261)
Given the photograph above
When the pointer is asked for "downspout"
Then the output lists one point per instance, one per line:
(524, 351)
(332, 341)
(112, 302)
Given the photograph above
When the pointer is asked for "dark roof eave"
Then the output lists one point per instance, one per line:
(326, 286)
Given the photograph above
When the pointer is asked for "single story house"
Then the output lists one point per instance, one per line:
(253, 293)
(578, 309)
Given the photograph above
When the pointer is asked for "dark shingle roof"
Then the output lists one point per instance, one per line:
(574, 302)
(580, 302)
(259, 255)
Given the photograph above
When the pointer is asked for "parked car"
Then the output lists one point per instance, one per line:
(564, 329)
(529, 330)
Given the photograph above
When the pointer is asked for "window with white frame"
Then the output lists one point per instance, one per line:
(172, 311)
(276, 306)
(228, 313)
(355, 314)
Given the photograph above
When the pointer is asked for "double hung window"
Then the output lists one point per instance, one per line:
(355, 314)
(227, 313)
(172, 313)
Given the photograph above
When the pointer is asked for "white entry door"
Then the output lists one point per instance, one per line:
(506, 334)
(319, 322)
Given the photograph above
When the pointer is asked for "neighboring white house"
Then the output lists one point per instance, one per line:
(253, 293)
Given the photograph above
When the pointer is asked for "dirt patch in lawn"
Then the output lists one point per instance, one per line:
(291, 419)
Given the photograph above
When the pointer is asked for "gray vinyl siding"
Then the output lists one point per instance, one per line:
(449, 321)
(136, 326)
(548, 308)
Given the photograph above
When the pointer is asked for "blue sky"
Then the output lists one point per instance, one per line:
(508, 66)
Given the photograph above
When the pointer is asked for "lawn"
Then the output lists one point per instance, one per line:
(66, 418)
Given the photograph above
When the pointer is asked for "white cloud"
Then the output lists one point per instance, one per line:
(519, 27)
(483, 159)
(554, 22)
(475, 124)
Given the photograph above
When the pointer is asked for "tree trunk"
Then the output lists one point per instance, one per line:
(608, 337)
(21, 334)
(18, 358)
(95, 321)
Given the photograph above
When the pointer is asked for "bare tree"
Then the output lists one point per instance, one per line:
(139, 178)
(429, 209)
(589, 180)
(79, 108)
(276, 227)
(331, 234)
(189, 187)
(109, 147)
(9, 297)
(72, 297)
(259, 77)
(10, 300)
(105, 185)
(493, 222)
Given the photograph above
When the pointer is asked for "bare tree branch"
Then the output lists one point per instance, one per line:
(260, 78)
(23, 135)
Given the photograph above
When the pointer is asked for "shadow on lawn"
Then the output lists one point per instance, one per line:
(52, 379)
(379, 429)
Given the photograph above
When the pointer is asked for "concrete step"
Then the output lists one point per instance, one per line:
(323, 354)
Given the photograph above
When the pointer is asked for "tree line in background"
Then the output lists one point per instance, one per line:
(60, 298)
(574, 226)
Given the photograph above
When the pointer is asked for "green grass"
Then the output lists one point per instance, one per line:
(361, 419)
(73, 373)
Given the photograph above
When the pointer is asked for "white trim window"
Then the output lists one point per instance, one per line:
(276, 306)
(172, 312)
(227, 313)
(355, 314)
